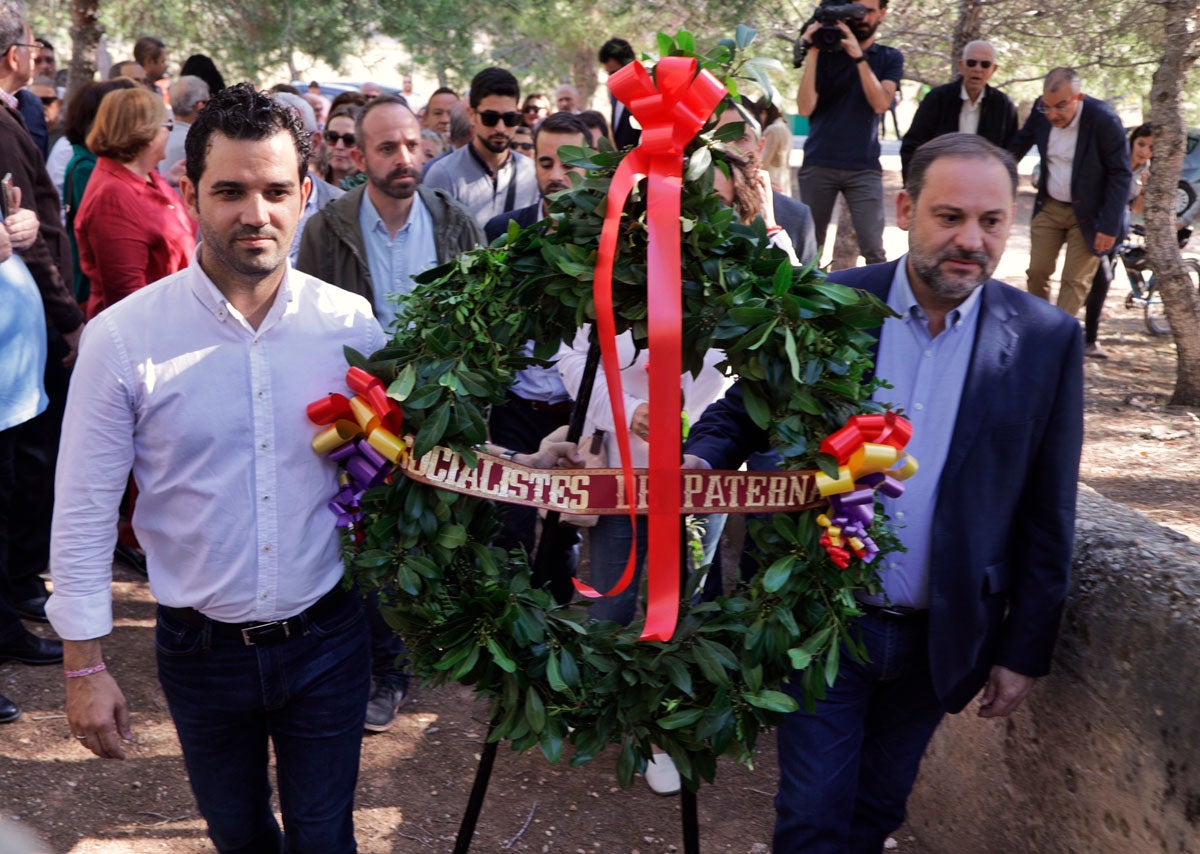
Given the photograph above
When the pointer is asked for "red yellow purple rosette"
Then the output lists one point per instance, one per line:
(362, 435)
(870, 455)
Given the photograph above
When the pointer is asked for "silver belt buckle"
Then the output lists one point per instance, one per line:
(253, 635)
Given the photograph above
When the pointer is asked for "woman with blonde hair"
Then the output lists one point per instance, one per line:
(131, 226)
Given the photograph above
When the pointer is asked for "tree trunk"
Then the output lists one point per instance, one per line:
(1181, 302)
(85, 43)
(967, 28)
(845, 246)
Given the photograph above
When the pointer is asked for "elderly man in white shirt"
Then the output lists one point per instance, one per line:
(198, 383)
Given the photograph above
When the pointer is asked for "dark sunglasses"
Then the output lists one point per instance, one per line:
(534, 109)
(332, 137)
(985, 64)
(47, 100)
(521, 146)
(491, 118)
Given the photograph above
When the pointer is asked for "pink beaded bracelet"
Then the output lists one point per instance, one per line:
(87, 671)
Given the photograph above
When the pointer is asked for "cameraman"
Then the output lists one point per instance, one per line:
(844, 90)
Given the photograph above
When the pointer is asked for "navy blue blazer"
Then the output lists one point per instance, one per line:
(939, 111)
(525, 217)
(1100, 173)
(1004, 520)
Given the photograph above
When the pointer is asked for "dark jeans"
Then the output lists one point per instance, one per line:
(846, 769)
(520, 427)
(863, 191)
(34, 455)
(306, 695)
(1096, 297)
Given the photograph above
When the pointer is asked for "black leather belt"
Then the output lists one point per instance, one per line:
(895, 613)
(562, 408)
(270, 632)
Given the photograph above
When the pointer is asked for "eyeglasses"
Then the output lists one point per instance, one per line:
(521, 146)
(21, 44)
(985, 64)
(47, 100)
(332, 137)
(491, 118)
(1060, 107)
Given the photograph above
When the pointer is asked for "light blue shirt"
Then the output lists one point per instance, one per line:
(23, 333)
(395, 260)
(927, 375)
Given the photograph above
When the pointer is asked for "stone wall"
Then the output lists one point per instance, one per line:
(1105, 754)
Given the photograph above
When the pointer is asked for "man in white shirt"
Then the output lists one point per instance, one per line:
(1083, 189)
(199, 383)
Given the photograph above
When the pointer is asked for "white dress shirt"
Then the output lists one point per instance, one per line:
(1060, 156)
(968, 116)
(209, 413)
(698, 391)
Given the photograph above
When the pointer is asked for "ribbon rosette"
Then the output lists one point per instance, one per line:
(671, 109)
(870, 455)
(362, 435)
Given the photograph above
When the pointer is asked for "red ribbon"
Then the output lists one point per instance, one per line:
(671, 109)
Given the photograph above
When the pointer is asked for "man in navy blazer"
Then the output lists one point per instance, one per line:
(1083, 189)
(992, 380)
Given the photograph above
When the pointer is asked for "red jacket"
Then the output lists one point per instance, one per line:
(130, 232)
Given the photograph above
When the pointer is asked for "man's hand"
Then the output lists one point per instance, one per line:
(691, 461)
(96, 710)
(639, 425)
(22, 225)
(550, 455)
(1104, 242)
(1004, 692)
(849, 41)
(72, 341)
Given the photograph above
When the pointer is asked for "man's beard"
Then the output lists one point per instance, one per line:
(389, 187)
(862, 30)
(945, 286)
(495, 144)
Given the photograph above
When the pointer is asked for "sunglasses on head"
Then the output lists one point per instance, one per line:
(491, 118)
(985, 64)
(332, 138)
(521, 146)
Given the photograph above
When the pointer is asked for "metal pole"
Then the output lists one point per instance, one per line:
(483, 774)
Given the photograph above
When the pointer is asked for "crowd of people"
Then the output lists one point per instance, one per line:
(223, 245)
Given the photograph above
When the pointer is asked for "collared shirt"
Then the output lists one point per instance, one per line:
(927, 376)
(1060, 157)
(23, 331)
(210, 415)
(968, 116)
(9, 100)
(395, 260)
(464, 175)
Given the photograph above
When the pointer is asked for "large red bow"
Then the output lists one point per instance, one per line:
(670, 113)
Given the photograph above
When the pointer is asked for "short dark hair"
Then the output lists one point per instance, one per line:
(85, 103)
(618, 49)
(44, 43)
(443, 90)
(1144, 129)
(242, 112)
(147, 47)
(967, 146)
(564, 123)
(595, 120)
(375, 104)
(494, 81)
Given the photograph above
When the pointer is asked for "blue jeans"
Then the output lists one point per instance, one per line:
(307, 695)
(608, 551)
(846, 769)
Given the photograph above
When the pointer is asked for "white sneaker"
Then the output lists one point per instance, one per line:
(661, 775)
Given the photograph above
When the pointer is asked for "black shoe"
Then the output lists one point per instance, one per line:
(28, 648)
(385, 700)
(9, 711)
(33, 609)
(133, 558)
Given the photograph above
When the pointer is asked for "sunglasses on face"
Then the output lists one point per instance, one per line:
(332, 137)
(521, 146)
(985, 64)
(47, 100)
(491, 118)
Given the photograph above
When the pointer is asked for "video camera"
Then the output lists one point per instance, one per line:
(829, 37)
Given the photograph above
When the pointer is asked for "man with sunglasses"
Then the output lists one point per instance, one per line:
(1083, 189)
(486, 175)
(967, 104)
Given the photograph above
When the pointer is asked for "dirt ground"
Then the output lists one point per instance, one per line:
(416, 777)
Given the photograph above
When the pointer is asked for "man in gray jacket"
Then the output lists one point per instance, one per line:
(372, 241)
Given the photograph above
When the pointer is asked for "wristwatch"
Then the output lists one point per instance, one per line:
(860, 58)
